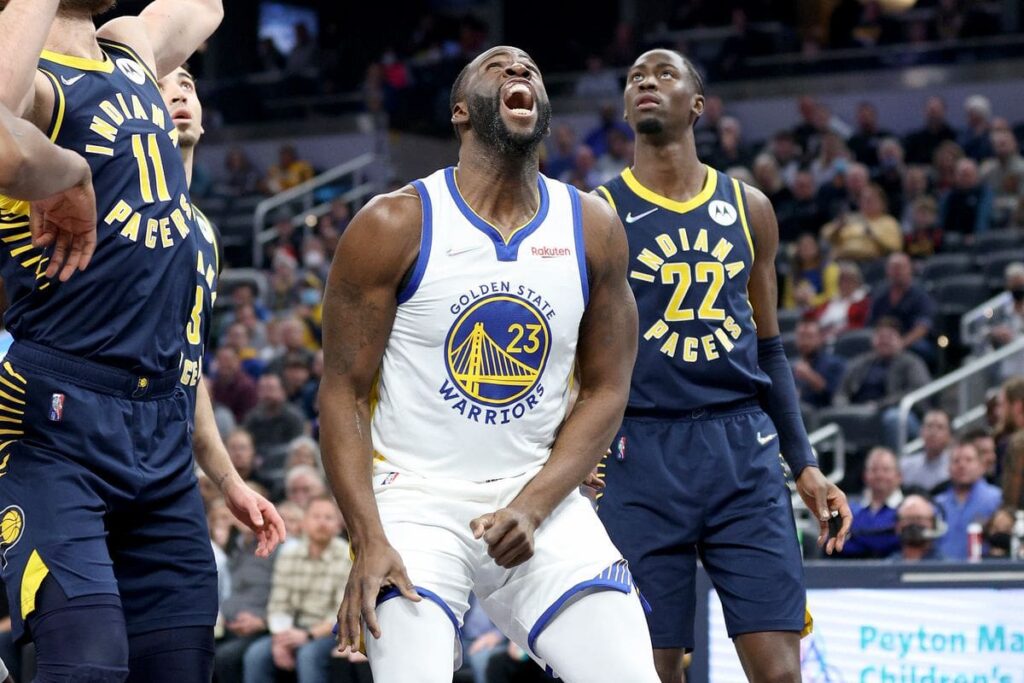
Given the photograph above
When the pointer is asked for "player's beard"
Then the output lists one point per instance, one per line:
(485, 120)
(650, 127)
(93, 7)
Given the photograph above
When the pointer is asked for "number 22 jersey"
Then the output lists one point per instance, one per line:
(140, 300)
(689, 270)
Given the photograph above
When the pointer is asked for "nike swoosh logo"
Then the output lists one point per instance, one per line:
(765, 440)
(455, 251)
(71, 81)
(630, 218)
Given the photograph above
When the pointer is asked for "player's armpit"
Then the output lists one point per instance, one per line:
(166, 32)
(763, 287)
(606, 351)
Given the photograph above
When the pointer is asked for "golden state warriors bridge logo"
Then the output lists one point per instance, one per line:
(495, 354)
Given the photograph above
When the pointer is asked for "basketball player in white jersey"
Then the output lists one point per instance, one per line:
(454, 312)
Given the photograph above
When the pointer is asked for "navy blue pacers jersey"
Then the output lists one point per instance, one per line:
(142, 294)
(197, 331)
(689, 268)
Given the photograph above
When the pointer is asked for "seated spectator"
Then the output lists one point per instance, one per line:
(561, 157)
(917, 527)
(288, 172)
(232, 388)
(869, 234)
(915, 186)
(1004, 175)
(908, 302)
(812, 279)
(731, 150)
(296, 341)
(237, 337)
(889, 172)
(705, 131)
(969, 499)
(842, 194)
(610, 117)
(617, 157)
(302, 484)
(308, 584)
(241, 178)
(583, 175)
(1011, 400)
(817, 372)
(998, 532)
(921, 143)
(881, 377)
(848, 309)
(273, 422)
(296, 376)
(967, 208)
(769, 180)
(303, 451)
(873, 533)
(985, 443)
(284, 281)
(292, 515)
(832, 160)
(220, 522)
(805, 213)
(222, 416)
(975, 140)
(786, 152)
(943, 171)
(924, 236)
(245, 611)
(927, 470)
(868, 135)
(242, 452)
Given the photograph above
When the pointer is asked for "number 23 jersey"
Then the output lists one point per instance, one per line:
(137, 302)
(689, 270)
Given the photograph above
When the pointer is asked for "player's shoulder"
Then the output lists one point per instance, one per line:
(392, 213)
(129, 32)
(389, 228)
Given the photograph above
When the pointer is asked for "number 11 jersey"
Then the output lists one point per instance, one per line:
(132, 307)
(689, 270)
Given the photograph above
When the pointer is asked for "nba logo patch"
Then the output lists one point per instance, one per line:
(56, 407)
(389, 479)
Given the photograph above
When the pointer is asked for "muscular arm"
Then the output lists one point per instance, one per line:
(31, 167)
(606, 352)
(24, 26)
(167, 32)
(359, 308)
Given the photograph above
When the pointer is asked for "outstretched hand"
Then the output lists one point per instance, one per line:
(825, 500)
(257, 513)
(67, 222)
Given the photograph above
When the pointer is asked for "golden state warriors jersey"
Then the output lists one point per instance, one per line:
(689, 269)
(475, 377)
(131, 306)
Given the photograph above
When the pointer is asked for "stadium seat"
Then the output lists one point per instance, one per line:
(995, 241)
(958, 294)
(941, 266)
(788, 318)
(993, 266)
(853, 343)
(861, 425)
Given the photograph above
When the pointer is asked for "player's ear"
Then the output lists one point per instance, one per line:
(460, 114)
(697, 106)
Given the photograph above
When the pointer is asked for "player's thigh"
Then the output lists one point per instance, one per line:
(654, 517)
(573, 556)
(416, 645)
(51, 525)
(750, 547)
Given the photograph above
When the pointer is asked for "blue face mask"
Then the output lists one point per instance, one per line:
(309, 297)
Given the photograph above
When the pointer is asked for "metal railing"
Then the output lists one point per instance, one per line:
(958, 379)
(363, 186)
(975, 322)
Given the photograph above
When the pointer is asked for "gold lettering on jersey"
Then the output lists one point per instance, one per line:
(157, 232)
(107, 122)
(703, 279)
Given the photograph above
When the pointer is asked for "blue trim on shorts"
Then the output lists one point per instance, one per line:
(426, 239)
(581, 249)
(393, 592)
(616, 577)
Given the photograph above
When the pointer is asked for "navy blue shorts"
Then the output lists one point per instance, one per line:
(97, 490)
(708, 485)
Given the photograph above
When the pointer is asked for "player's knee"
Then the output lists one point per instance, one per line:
(670, 665)
(69, 647)
(777, 671)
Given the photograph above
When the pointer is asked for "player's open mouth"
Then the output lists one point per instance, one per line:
(517, 97)
(181, 116)
(648, 102)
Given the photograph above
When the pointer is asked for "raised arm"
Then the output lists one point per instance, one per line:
(605, 355)
(360, 301)
(167, 32)
(24, 26)
(780, 400)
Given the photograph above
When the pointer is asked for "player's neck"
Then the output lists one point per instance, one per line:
(501, 191)
(74, 35)
(670, 169)
(187, 157)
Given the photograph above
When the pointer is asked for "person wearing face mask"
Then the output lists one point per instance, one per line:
(998, 532)
(918, 528)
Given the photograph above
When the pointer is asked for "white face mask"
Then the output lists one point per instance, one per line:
(313, 259)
